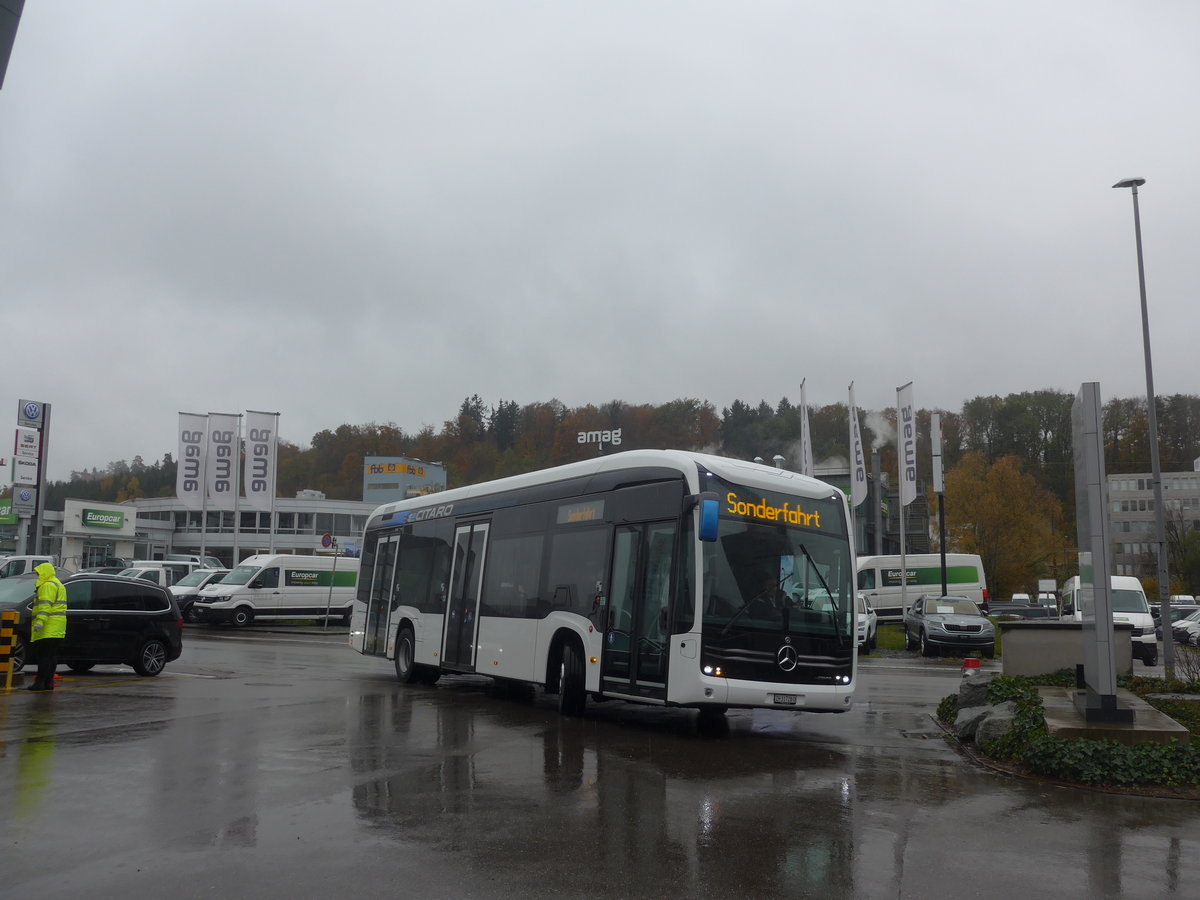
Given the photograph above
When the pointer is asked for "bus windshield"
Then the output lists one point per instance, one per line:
(779, 574)
(789, 580)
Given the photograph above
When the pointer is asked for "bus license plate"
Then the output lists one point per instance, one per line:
(784, 699)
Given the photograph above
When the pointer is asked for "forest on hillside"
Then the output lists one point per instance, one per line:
(485, 441)
(1008, 461)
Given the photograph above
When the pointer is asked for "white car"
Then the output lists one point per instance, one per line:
(868, 621)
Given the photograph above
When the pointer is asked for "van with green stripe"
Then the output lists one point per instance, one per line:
(879, 578)
(280, 586)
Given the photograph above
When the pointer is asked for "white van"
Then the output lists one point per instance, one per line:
(1128, 604)
(154, 574)
(22, 565)
(278, 586)
(879, 579)
(204, 562)
(179, 569)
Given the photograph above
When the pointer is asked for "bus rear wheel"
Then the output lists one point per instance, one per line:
(572, 697)
(406, 652)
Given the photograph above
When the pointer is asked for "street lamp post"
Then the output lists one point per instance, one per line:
(1164, 587)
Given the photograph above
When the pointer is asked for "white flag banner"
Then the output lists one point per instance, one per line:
(806, 455)
(222, 460)
(189, 472)
(858, 460)
(906, 439)
(261, 440)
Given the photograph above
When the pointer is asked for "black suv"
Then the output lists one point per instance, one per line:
(109, 620)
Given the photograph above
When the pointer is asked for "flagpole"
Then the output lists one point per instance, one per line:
(237, 489)
(906, 442)
(275, 478)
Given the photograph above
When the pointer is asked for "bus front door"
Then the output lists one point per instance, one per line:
(378, 605)
(462, 612)
(637, 630)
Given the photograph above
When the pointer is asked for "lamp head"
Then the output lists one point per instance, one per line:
(1130, 183)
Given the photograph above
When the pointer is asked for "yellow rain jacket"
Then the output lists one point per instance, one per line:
(50, 606)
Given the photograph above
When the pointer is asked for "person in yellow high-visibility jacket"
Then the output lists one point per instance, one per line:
(49, 625)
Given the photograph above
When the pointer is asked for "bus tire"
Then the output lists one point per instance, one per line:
(572, 696)
(406, 654)
(241, 617)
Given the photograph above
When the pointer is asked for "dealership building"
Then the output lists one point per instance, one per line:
(87, 532)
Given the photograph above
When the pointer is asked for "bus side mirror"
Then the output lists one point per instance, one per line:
(709, 508)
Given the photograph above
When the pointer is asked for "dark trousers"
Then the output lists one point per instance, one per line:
(45, 651)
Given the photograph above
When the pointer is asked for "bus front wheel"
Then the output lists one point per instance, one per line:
(406, 652)
(572, 697)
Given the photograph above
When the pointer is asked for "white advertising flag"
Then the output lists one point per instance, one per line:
(806, 456)
(222, 467)
(858, 460)
(259, 477)
(189, 473)
(906, 440)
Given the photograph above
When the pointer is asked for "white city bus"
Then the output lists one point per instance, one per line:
(654, 576)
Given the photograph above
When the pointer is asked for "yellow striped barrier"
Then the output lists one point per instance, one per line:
(8, 640)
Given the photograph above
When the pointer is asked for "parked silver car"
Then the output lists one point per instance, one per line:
(934, 624)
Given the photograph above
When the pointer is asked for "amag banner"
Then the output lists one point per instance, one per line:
(189, 474)
(261, 440)
(222, 467)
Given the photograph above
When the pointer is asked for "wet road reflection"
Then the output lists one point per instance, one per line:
(289, 770)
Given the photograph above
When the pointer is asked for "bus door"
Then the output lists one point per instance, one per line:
(638, 626)
(462, 611)
(379, 607)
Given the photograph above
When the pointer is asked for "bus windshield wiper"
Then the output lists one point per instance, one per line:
(825, 586)
(746, 605)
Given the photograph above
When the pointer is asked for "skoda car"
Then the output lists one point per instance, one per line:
(109, 620)
(935, 624)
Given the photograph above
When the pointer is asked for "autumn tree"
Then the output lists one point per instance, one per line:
(1005, 516)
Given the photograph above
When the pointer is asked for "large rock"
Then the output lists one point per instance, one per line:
(997, 723)
(968, 721)
(973, 691)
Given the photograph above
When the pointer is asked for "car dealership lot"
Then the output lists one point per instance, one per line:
(280, 763)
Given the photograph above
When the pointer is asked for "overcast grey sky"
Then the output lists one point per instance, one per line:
(366, 211)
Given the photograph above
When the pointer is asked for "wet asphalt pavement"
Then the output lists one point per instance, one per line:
(282, 764)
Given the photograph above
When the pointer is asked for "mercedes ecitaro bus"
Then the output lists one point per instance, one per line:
(653, 576)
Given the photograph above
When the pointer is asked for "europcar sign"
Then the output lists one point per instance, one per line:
(103, 518)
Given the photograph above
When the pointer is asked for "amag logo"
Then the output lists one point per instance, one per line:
(100, 518)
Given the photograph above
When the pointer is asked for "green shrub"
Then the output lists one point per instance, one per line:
(1110, 763)
(947, 710)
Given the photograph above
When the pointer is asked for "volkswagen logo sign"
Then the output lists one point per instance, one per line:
(32, 410)
(787, 658)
